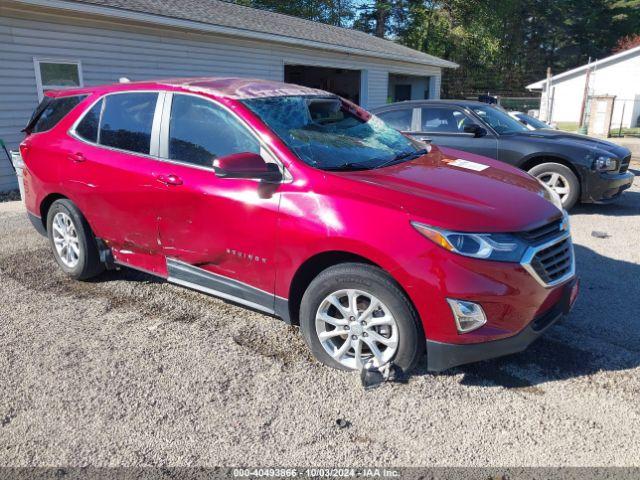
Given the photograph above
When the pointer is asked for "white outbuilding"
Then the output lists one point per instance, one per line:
(616, 76)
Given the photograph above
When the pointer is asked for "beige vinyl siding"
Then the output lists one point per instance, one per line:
(111, 49)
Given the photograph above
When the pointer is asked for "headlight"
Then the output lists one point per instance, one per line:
(501, 247)
(550, 195)
(603, 163)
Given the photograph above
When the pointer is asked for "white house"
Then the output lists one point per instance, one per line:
(617, 75)
(50, 44)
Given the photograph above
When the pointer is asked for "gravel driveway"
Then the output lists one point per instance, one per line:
(128, 370)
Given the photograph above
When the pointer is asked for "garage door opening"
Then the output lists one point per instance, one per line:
(340, 81)
(408, 87)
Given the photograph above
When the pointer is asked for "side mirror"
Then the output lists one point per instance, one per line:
(246, 165)
(475, 129)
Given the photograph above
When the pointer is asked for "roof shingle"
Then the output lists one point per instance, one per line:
(288, 28)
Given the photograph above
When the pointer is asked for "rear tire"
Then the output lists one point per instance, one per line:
(560, 179)
(72, 241)
(383, 317)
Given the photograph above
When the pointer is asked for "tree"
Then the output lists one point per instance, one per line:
(375, 17)
(626, 43)
(500, 45)
(333, 12)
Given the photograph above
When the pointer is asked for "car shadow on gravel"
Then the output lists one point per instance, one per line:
(601, 334)
(126, 274)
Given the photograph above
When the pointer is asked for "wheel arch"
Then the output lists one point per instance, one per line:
(45, 205)
(318, 262)
(538, 159)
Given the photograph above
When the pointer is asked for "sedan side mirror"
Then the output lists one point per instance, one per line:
(246, 165)
(475, 129)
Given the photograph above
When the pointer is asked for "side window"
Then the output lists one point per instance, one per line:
(443, 120)
(126, 121)
(51, 111)
(398, 119)
(200, 131)
(88, 126)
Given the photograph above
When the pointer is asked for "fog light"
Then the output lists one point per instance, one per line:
(468, 315)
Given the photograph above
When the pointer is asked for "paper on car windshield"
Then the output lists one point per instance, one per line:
(478, 167)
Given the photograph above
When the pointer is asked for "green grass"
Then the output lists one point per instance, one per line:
(573, 127)
(568, 126)
(635, 132)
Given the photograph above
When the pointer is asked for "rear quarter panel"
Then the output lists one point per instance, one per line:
(45, 157)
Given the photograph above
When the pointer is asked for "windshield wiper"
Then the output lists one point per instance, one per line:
(368, 166)
(403, 156)
(348, 166)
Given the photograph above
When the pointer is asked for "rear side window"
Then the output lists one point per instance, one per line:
(445, 120)
(126, 121)
(51, 111)
(398, 119)
(90, 123)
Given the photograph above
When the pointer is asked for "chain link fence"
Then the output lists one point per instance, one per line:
(625, 118)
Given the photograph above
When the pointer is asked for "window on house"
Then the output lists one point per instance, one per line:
(57, 75)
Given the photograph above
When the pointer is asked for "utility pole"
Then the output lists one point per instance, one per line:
(585, 95)
(547, 112)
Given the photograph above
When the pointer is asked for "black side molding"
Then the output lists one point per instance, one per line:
(220, 286)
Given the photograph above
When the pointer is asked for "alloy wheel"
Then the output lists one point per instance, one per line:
(65, 239)
(356, 329)
(557, 183)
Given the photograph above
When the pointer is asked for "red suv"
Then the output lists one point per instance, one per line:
(297, 203)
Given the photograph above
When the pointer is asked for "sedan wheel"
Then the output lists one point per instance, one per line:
(356, 329)
(65, 239)
(557, 183)
(561, 179)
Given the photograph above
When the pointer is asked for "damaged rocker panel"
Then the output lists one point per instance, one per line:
(229, 289)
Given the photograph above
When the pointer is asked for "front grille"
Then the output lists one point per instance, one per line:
(554, 262)
(542, 234)
(624, 164)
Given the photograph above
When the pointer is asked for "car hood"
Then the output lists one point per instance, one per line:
(574, 140)
(431, 189)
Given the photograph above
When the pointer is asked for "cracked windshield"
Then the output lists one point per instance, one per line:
(330, 134)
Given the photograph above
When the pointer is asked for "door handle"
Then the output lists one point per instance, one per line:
(425, 139)
(76, 157)
(169, 179)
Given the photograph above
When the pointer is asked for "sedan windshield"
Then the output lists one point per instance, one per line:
(534, 122)
(499, 120)
(331, 134)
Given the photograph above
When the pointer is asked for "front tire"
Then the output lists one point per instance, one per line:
(73, 243)
(354, 316)
(561, 180)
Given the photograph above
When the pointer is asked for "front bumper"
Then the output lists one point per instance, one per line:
(605, 187)
(442, 356)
